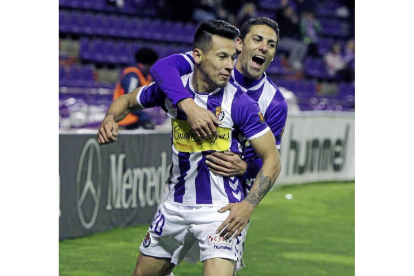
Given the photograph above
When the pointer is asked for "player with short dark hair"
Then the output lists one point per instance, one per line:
(257, 45)
(202, 207)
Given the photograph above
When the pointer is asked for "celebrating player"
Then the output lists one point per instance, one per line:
(257, 44)
(202, 207)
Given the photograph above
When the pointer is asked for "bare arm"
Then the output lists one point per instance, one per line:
(240, 212)
(108, 131)
(267, 176)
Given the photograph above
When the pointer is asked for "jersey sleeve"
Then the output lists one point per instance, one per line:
(167, 74)
(247, 116)
(276, 115)
(130, 82)
(150, 96)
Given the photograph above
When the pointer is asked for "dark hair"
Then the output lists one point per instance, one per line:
(146, 56)
(206, 30)
(245, 29)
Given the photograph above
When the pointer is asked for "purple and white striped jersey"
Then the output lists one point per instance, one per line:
(263, 91)
(191, 182)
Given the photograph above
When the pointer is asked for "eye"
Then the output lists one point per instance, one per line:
(273, 45)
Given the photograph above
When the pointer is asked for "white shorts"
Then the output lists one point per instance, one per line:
(179, 232)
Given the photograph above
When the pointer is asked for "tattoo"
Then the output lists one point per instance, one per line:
(263, 187)
(107, 114)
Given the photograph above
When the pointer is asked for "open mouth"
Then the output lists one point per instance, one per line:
(259, 60)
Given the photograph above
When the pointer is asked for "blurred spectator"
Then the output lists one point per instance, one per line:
(288, 22)
(234, 6)
(205, 10)
(175, 10)
(306, 6)
(336, 64)
(132, 77)
(349, 60)
(350, 52)
(117, 3)
(247, 11)
(309, 29)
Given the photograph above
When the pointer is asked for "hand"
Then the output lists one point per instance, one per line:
(108, 131)
(236, 221)
(226, 164)
(201, 120)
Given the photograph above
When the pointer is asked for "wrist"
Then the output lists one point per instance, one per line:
(243, 167)
(110, 116)
(250, 205)
(186, 104)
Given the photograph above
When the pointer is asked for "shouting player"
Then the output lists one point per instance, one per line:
(257, 45)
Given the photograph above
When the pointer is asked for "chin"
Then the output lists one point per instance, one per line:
(222, 84)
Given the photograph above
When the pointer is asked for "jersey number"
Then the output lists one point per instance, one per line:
(158, 223)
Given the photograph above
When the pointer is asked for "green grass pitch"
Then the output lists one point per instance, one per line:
(311, 234)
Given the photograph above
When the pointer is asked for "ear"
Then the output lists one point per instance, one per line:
(239, 44)
(197, 55)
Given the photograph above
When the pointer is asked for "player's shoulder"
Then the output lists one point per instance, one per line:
(277, 95)
(241, 98)
(188, 56)
(185, 79)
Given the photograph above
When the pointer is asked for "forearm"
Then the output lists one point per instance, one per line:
(122, 107)
(264, 180)
(167, 74)
(252, 168)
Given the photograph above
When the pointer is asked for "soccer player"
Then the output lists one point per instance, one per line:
(201, 206)
(257, 44)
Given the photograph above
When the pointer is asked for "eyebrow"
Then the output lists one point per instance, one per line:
(261, 37)
(225, 53)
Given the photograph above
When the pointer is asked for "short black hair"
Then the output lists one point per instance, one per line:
(206, 30)
(245, 29)
(146, 55)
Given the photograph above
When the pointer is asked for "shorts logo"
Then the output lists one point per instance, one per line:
(219, 113)
(222, 247)
(147, 240)
(214, 239)
(261, 118)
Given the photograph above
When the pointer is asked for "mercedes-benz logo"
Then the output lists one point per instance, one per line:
(88, 183)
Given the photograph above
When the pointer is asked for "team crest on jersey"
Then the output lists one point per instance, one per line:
(147, 240)
(261, 118)
(219, 113)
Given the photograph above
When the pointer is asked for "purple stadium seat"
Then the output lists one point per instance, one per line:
(112, 23)
(73, 22)
(63, 21)
(97, 52)
(100, 21)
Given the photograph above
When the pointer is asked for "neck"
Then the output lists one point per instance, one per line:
(241, 70)
(200, 83)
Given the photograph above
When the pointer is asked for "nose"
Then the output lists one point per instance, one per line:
(263, 46)
(229, 64)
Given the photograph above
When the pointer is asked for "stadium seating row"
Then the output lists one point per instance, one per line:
(120, 26)
(132, 7)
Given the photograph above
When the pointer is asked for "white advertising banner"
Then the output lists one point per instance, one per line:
(318, 147)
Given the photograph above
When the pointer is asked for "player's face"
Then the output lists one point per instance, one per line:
(216, 65)
(257, 51)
